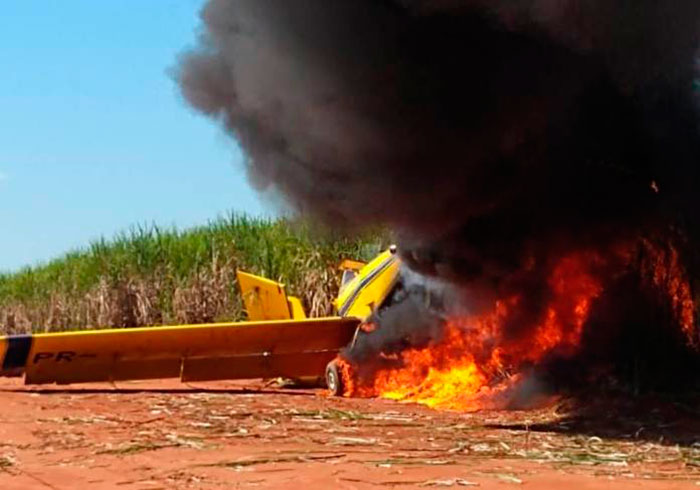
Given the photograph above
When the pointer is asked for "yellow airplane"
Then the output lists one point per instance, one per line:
(277, 341)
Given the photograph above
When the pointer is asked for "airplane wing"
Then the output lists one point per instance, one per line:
(243, 350)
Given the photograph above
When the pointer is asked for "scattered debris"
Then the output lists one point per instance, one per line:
(7, 461)
(451, 482)
(275, 459)
(353, 441)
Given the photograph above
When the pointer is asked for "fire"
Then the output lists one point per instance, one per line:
(667, 275)
(476, 360)
(480, 359)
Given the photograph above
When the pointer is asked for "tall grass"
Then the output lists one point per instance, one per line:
(151, 276)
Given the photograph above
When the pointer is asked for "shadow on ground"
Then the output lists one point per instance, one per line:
(185, 390)
(652, 418)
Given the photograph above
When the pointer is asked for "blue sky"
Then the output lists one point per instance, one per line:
(94, 136)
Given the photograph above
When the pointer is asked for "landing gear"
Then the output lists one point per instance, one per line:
(334, 379)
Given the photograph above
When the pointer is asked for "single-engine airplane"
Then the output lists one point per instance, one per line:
(278, 340)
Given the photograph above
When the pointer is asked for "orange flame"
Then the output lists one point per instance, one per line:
(476, 361)
(668, 276)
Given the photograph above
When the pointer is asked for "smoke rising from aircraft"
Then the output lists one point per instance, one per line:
(495, 136)
(496, 124)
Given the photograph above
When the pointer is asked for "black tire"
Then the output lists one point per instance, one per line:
(334, 380)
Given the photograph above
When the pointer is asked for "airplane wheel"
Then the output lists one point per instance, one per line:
(334, 380)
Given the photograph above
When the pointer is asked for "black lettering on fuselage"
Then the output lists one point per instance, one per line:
(65, 356)
(42, 356)
(61, 356)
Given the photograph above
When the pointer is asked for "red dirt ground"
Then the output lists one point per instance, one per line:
(159, 435)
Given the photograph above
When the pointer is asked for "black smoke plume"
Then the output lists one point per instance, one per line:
(492, 135)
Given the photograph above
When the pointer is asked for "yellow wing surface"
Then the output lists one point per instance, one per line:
(263, 349)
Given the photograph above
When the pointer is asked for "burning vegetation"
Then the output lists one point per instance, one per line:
(538, 161)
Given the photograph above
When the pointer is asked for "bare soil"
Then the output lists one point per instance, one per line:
(158, 435)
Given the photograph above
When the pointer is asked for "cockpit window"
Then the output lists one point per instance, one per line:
(348, 275)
